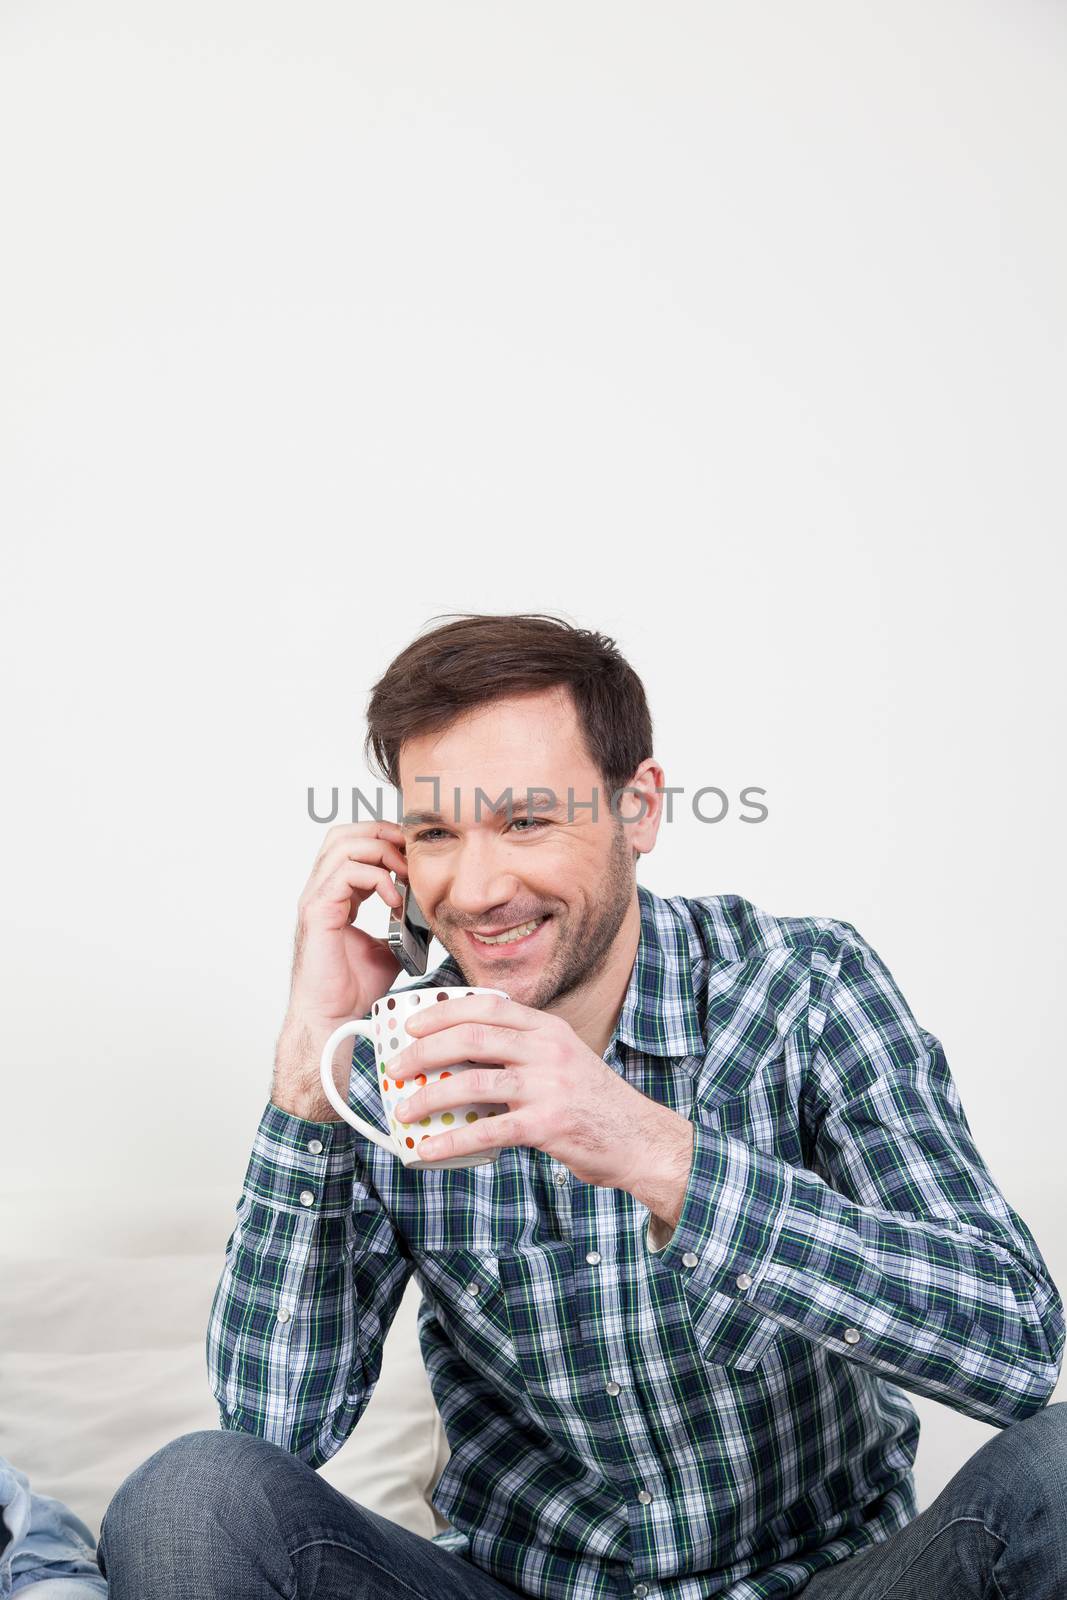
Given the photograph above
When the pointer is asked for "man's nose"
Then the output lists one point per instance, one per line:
(480, 881)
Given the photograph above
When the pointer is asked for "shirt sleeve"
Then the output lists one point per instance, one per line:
(313, 1276)
(893, 1247)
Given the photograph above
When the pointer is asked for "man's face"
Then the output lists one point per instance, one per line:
(574, 879)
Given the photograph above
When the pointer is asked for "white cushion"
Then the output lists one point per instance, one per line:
(102, 1359)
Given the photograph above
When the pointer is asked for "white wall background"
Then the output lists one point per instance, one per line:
(737, 331)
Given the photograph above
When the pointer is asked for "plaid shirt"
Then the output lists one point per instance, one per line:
(721, 1415)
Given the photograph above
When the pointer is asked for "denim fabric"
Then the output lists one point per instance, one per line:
(230, 1515)
(69, 1588)
(46, 1551)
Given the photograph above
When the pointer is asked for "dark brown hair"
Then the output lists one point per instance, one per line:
(480, 658)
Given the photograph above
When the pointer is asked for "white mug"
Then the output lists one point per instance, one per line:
(386, 1030)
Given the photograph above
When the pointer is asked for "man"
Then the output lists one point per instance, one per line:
(737, 1210)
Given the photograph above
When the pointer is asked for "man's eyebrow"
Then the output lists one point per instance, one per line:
(414, 819)
(540, 806)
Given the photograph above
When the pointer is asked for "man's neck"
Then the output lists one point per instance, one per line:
(593, 1009)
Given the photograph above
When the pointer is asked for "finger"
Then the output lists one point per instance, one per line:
(373, 863)
(362, 877)
(488, 1008)
(382, 828)
(485, 1134)
(469, 1041)
(381, 852)
(365, 841)
(346, 889)
(496, 1085)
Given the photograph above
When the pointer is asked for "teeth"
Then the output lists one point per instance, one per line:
(512, 933)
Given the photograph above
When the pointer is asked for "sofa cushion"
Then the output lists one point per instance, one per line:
(102, 1361)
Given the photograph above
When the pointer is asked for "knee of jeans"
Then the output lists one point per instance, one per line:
(1047, 1444)
(1032, 1454)
(181, 1482)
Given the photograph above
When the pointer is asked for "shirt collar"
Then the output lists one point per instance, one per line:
(659, 1013)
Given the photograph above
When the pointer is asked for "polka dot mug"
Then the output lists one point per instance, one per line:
(386, 1030)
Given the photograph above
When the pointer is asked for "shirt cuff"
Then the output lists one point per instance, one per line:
(736, 1202)
(299, 1166)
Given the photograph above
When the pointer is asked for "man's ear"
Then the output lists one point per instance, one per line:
(643, 808)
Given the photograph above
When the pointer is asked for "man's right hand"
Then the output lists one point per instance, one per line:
(338, 970)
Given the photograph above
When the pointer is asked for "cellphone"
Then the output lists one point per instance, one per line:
(409, 932)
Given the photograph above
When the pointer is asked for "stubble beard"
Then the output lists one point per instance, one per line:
(581, 951)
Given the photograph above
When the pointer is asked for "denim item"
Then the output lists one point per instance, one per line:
(46, 1551)
(217, 1515)
(997, 1531)
(724, 1406)
(62, 1589)
(235, 1517)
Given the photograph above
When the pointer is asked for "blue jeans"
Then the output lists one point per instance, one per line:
(230, 1516)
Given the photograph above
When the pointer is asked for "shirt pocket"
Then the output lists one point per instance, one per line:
(463, 1289)
(728, 1332)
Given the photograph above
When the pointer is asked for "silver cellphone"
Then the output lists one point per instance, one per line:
(409, 933)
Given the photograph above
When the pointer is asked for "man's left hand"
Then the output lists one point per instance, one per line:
(561, 1097)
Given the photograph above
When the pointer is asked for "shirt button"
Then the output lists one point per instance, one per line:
(306, 1197)
(561, 1179)
(283, 1315)
(852, 1336)
(593, 1256)
(612, 1387)
(640, 1590)
(315, 1146)
(743, 1280)
(689, 1259)
(474, 1288)
(644, 1496)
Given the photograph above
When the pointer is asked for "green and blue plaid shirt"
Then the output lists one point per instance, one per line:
(722, 1415)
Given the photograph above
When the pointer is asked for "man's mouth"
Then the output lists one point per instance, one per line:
(515, 935)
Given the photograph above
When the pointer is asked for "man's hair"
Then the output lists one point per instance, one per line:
(481, 658)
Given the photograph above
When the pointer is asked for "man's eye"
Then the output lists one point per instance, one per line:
(524, 824)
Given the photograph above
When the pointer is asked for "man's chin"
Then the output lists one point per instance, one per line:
(523, 987)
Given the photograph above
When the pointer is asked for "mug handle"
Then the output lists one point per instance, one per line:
(348, 1030)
